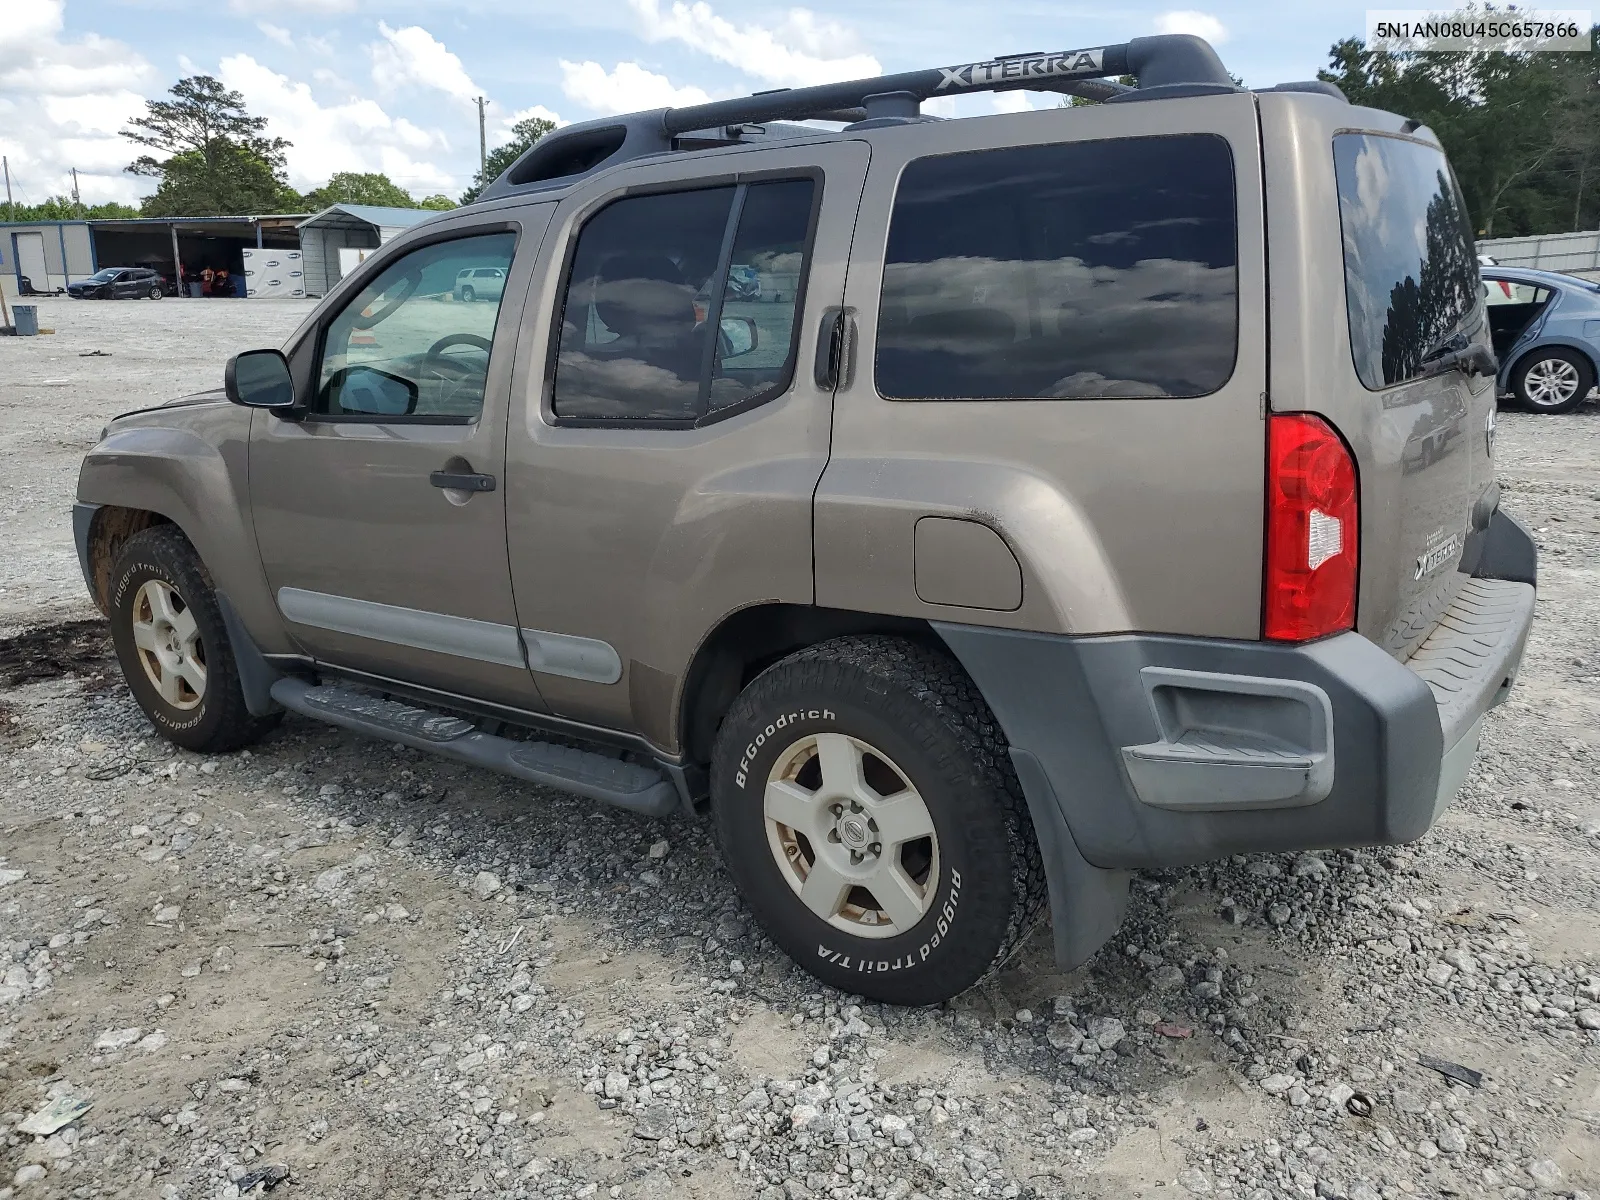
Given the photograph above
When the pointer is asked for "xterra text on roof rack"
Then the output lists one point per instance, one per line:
(971, 512)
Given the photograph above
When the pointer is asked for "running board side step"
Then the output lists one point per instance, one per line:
(584, 773)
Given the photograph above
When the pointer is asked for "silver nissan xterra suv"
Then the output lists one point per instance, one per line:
(970, 512)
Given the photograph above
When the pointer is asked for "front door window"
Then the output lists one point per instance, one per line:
(412, 344)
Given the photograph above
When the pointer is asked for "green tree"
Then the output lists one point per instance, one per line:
(230, 180)
(523, 134)
(218, 159)
(1522, 129)
(361, 187)
(437, 203)
(62, 208)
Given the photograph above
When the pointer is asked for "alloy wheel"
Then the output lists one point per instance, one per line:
(1549, 382)
(851, 835)
(168, 641)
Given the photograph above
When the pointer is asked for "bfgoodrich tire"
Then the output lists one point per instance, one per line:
(867, 809)
(173, 646)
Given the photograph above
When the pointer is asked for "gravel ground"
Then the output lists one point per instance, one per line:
(327, 967)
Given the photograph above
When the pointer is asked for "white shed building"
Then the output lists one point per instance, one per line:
(357, 226)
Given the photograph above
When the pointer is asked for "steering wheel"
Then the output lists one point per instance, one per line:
(457, 375)
(436, 351)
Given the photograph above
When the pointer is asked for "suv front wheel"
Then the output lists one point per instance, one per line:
(867, 809)
(173, 646)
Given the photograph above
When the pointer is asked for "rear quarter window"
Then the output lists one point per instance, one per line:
(1070, 271)
(1410, 271)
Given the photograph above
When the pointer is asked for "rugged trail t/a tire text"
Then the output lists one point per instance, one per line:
(922, 731)
(159, 561)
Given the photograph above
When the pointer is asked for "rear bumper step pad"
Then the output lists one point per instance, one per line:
(585, 773)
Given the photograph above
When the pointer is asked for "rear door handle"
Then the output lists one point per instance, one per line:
(833, 345)
(462, 481)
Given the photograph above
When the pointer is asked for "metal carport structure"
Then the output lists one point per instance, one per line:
(347, 226)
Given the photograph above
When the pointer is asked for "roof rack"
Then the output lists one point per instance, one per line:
(1164, 65)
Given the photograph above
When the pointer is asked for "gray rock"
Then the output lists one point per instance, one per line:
(485, 884)
(1167, 978)
(117, 1039)
(1309, 866)
(1439, 973)
(653, 1123)
(1545, 1172)
(1106, 1031)
(1063, 1035)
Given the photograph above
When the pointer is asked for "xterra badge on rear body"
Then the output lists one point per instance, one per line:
(1441, 549)
(1029, 66)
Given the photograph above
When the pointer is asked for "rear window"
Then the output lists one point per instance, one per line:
(1410, 271)
(1079, 270)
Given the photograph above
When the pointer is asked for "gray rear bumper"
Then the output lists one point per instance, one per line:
(1164, 751)
(1144, 751)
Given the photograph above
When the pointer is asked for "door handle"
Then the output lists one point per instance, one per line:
(462, 481)
(832, 339)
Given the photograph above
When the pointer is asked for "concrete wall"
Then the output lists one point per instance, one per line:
(1570, 253)
(68, 253)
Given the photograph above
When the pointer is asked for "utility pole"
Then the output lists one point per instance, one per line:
(11, 211)
(483, 140)
(77, 204)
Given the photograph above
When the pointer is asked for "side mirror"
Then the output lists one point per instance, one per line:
(372, 392)
(259, 379)
(738, 336)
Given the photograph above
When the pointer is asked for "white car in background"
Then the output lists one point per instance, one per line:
(1485, 260)
(480, 283)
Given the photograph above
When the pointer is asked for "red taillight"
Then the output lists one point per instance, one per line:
(1311, 530)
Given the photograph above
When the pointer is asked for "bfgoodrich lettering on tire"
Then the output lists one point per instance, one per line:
(867, 808)
(173, 647)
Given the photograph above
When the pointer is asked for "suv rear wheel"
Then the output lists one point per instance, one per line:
(1553, 380)
(155, 291)
(867, 808)
(173, 646)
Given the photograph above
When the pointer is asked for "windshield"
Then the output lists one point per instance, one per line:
(1410, 272)
(105, 274)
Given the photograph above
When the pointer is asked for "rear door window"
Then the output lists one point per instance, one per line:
(1070, 271)
(680, 307)
(1410, 270)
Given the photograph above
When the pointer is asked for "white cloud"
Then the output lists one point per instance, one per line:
(1188, 20)
(1015, 102)
(62, 102)
(628, 88)
(500, 136)
(804, 49)
(413, 57)
(276, 33)
(355, 135)
(278, 7)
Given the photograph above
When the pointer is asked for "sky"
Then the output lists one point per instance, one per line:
(388, 85)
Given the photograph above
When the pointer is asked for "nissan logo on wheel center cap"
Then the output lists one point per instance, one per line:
(853, 831)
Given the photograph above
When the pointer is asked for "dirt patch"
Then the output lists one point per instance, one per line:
(78, 648)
